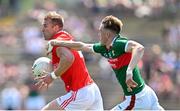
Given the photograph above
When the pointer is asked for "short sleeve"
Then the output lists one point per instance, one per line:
(98, 48)
(121, 45)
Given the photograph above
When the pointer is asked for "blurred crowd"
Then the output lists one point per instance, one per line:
(21, 42)
(140, 8)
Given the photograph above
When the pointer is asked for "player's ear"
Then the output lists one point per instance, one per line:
(56, 27)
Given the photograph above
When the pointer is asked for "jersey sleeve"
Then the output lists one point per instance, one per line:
(121, 45)
(98, 48)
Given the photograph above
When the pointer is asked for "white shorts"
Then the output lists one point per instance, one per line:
(86, 98)
(144, 100)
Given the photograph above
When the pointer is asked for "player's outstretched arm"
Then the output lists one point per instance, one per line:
(76, 45)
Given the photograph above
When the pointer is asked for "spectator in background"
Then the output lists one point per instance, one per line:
(11, 97)
(177, 68)
(34, 100)
(32, 49)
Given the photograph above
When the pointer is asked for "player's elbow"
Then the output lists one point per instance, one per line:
(71, 59)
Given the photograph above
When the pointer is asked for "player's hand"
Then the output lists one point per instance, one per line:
(129, 81)
(44, 81)
(53, 42)
(50, 45)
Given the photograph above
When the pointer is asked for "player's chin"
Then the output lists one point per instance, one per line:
(102, 43)
(47, 37)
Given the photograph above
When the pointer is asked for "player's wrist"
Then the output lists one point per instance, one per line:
(129, 71)
(51, 42)
(53, 75)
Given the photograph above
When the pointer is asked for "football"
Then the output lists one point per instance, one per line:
(40, 65)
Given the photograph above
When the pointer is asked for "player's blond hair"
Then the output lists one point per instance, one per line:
(112, 23)
(55, 18)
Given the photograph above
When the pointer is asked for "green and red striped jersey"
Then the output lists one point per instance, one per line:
(119, 60)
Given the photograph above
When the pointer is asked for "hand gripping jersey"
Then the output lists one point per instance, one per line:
(77, 75)
(119, 60)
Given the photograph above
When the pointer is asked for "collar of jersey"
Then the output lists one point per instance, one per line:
(115, 38)
(63, 36)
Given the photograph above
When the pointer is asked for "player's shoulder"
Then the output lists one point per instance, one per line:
(99, 48)
(120, 39)
(120, 42)
(64, 35)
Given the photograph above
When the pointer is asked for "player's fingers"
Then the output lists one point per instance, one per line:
(129, 89)
(129, 83)
(47, 86)
(43, 84)
(38, 83)
(39, 78)
(45, 72)
(133, 86)
(133, 83)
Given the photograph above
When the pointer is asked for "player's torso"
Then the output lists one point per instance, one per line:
(77, 75)
(119, 60)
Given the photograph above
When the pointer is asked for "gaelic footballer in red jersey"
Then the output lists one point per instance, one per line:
(69, 65)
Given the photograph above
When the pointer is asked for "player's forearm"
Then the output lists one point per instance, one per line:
(76, 45)
(70, 44)
(62, 67)
(66, 60)
(137, 54)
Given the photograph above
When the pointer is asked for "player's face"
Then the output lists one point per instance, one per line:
(103, 33)
(48, 29)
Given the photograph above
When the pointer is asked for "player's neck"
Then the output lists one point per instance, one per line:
(59, 31)
(109, 43)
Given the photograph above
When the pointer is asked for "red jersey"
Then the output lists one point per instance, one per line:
(77, 75)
